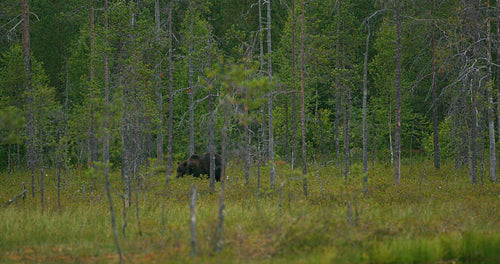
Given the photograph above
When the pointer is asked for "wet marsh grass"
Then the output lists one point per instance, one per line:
(440, 219)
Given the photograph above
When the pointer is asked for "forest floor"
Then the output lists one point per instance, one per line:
(430, 217)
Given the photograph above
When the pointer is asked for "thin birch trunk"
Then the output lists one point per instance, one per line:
(30, 125)
(42, 187)
(191, 82)
(397, 132)
(171, 96)
(220, 227)
(159, 142)
(303, 111)
(192, 206)
(491, 118)
(211, 147)
(112, 211)
(106, 140)
(473, 145)
(262, 144)
(92, 138)
(337, 87)
(498, 72)
(270, 107)
(434, 88)
(294, 114)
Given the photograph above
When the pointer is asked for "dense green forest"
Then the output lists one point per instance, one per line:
(336, 82)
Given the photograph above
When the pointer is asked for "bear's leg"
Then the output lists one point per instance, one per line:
(218, 174)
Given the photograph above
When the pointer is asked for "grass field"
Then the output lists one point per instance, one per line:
(431, 217)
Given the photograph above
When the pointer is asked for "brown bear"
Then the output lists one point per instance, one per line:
(200, 164)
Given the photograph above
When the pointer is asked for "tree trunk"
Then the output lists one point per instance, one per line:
(159, 141)
(263, 145)
(491, 118)
(192, 206)
(211, 147)
(337, 90)
(220, 226)
(397, 132)
(365, 98)
(434, 88)
(294, 114)
(171, 95)
(498, 71)
(247, 152)
(58, 172)
(42, 186)
(30, 126)
(111, 208)
(247, 141)
(270, 109)
(303, 111)
(474, 147)
(191, 82)
(106, 140)
(347, 130)
(92, 138)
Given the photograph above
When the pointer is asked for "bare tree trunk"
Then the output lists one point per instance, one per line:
(211, 129)
(64, 140)
(106, 140)
(491, 118)
(263, 124)
(9, 161)
(247, 142)
(191, 82)
(270, 109)
(42, 187)
(337, 88)
(159, 141)
(397, 132)
(227, 109)
(58, 171)
(220, 226)
(474, 147)
(498, 72)
(92, 138)
(347, 130)
(157, 20)
(435, 120)
(111, 209)
(389, 117)
(303, 111)
(30, 125)
(211, 147)
(171, 95)
(294, 121)
(192, 206)
(365, 98)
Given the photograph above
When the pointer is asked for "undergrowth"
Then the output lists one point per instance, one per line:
(430, 217)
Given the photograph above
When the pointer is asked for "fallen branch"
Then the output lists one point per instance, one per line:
(22, 194)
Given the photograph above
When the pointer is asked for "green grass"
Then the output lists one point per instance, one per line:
(440, 219)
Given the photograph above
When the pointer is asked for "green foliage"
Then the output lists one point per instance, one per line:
(446, 140)
(11, 122)
(12, 78)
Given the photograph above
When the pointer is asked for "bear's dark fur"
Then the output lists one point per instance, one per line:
(200, 164)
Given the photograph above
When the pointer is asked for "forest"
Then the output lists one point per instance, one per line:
(353, 131)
